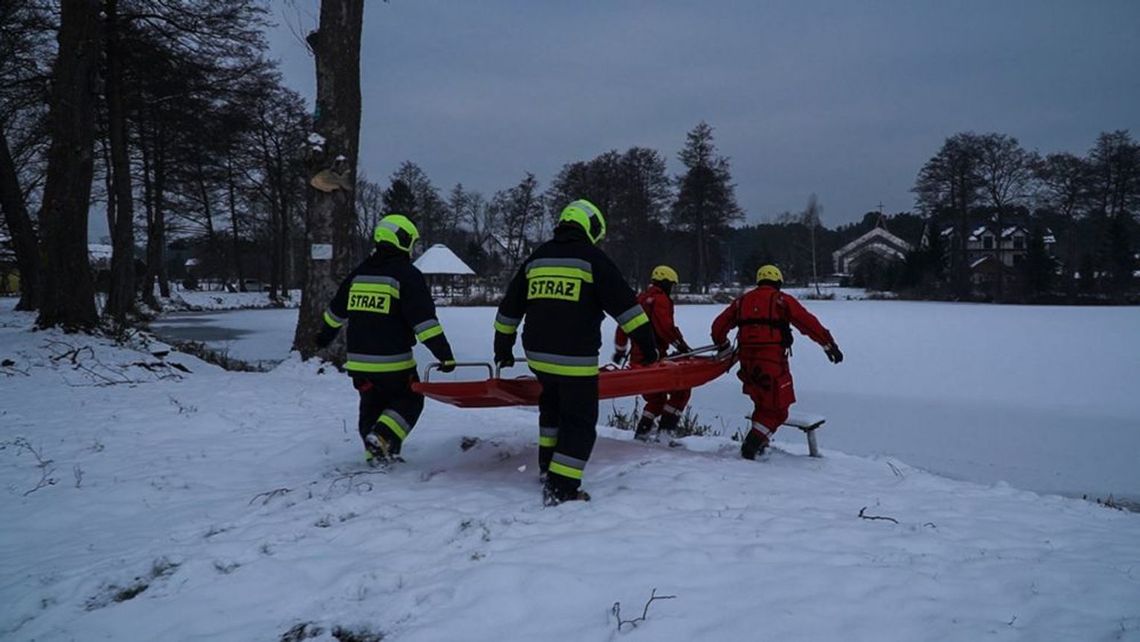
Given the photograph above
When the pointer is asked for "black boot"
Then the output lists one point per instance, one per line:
(554, 494)
(669, 422)
(644, 427)
(381, 447)
(754, 445)
(545, 454)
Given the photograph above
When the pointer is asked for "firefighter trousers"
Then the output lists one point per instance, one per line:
(672, 403)
(567, 420)
(388, 405)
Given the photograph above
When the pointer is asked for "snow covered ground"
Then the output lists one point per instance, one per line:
(1042, 398)
(234, 506)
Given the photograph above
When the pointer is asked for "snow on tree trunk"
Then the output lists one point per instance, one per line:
(336, 47)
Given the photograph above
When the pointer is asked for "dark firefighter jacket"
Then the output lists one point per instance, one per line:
(388, 307)
(564, 289)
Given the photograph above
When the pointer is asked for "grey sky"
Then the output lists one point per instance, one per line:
(844, 99)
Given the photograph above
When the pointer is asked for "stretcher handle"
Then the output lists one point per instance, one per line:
(435, 365)
(695, 351)
(498, 369)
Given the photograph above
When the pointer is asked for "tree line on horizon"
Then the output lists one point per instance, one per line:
(169, 119)
(1089, 203)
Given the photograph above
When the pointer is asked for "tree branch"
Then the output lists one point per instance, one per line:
(616, 610)
(863, 516)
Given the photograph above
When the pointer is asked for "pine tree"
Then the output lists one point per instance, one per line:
(706, 200)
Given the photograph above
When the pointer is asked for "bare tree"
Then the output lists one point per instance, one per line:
(948, 184)
(1064, 181)
(336, 48)
(120, 209)
(25, 46)
(369, 211)
(1005, 171)
(518, 210)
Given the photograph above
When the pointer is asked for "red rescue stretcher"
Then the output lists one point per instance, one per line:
(678, 372)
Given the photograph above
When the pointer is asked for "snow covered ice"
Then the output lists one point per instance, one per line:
(235, 506)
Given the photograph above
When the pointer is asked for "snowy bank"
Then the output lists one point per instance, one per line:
(182, 300)
(234, 506)
(1039, 397)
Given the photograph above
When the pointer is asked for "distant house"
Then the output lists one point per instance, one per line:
(878, 246)
(1010, 244)
(992, 251)
(443, 270)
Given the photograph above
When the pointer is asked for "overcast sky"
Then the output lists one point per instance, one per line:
(844, 99)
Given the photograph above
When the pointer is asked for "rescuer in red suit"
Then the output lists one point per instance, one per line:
(765, 316)
(658, 305)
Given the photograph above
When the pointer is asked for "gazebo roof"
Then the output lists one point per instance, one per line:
(439, 259)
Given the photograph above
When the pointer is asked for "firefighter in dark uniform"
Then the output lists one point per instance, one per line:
(564, 289)
(765, 317)
(388, 307)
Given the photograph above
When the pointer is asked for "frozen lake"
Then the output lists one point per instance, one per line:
(1043, 398)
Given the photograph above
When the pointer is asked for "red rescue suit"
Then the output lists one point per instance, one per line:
(765, 316)
(659, 308)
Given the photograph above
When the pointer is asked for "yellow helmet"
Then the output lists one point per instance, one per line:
(769, 273)
(398, 230)
(664, 273)
(587, 215)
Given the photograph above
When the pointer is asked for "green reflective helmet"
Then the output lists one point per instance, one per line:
(587, 215)
(398, 230)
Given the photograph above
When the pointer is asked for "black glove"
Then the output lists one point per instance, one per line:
(325, 336)
(649, 356)
(619, 357)
(723, 350)
(682, 347)
(447, 365)
(834, 354)
(504, 350)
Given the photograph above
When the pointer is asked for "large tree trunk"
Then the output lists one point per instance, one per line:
(69, 292)
(336, 47)
(20, 227)
(121, 299)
